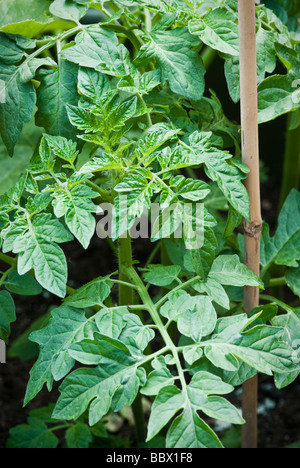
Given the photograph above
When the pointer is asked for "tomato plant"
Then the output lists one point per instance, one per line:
(112, 127)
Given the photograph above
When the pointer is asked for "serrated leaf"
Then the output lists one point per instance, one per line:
(214, 290)
(188, 429)
(37, 249)
(93, 293)
(76, 206)
(284, 247)
(219, 168)
(180, 66)
(57, 89)
(161, 275)
(141, 84)
(228, 270)
(261, 347)
(279, 94)
(219, 30)
(201, 260)
(290, 324)
(98, 48)
(190, 189)
(157, 379)
(155, 137)
(199, 318)
(66, 326)
(61, 147)
(134, 197)
(117, 376)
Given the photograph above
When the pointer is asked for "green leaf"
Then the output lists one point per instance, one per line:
(37, 249)
(66, 326)
(116, 380)
(177, 304)
(180, 66)
(134, 196)
(292, 277)
(219, 168)
(219, 30)
(199, 318)
(161, 275)
(18, 101)
(228, 270)
(261, 347)
(290, 323)
(157, 379)
(141, 84)
(188, 429)
(7, 314)
(214, 290)
(76, 206)
(279, 94)
(35, 434)
(61, 147)
(78, 436)
(18, 96)
(13, 168)
(67, 10)
(98, 48)
(30, 21)
(190, 189)
(167, 403)
(24, 285)
(201, 260)
(93, 293)
(58, 87)
(155, 137)
(284, 247)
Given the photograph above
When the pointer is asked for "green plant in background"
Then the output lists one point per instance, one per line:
(124, 111)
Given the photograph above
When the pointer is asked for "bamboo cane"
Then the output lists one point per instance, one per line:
(250, 152)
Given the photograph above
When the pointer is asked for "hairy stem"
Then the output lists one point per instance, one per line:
(126, 297)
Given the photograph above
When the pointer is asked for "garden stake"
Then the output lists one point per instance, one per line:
(250, 152)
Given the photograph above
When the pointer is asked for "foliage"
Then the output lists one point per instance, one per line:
(125, 111)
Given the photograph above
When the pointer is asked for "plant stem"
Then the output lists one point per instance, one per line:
(253, 226)
(291, 167)
(125, 261)
(208, 56)
(281, 304)
(277, 281)
(9, 260)
(126, 297)
(5, 274)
